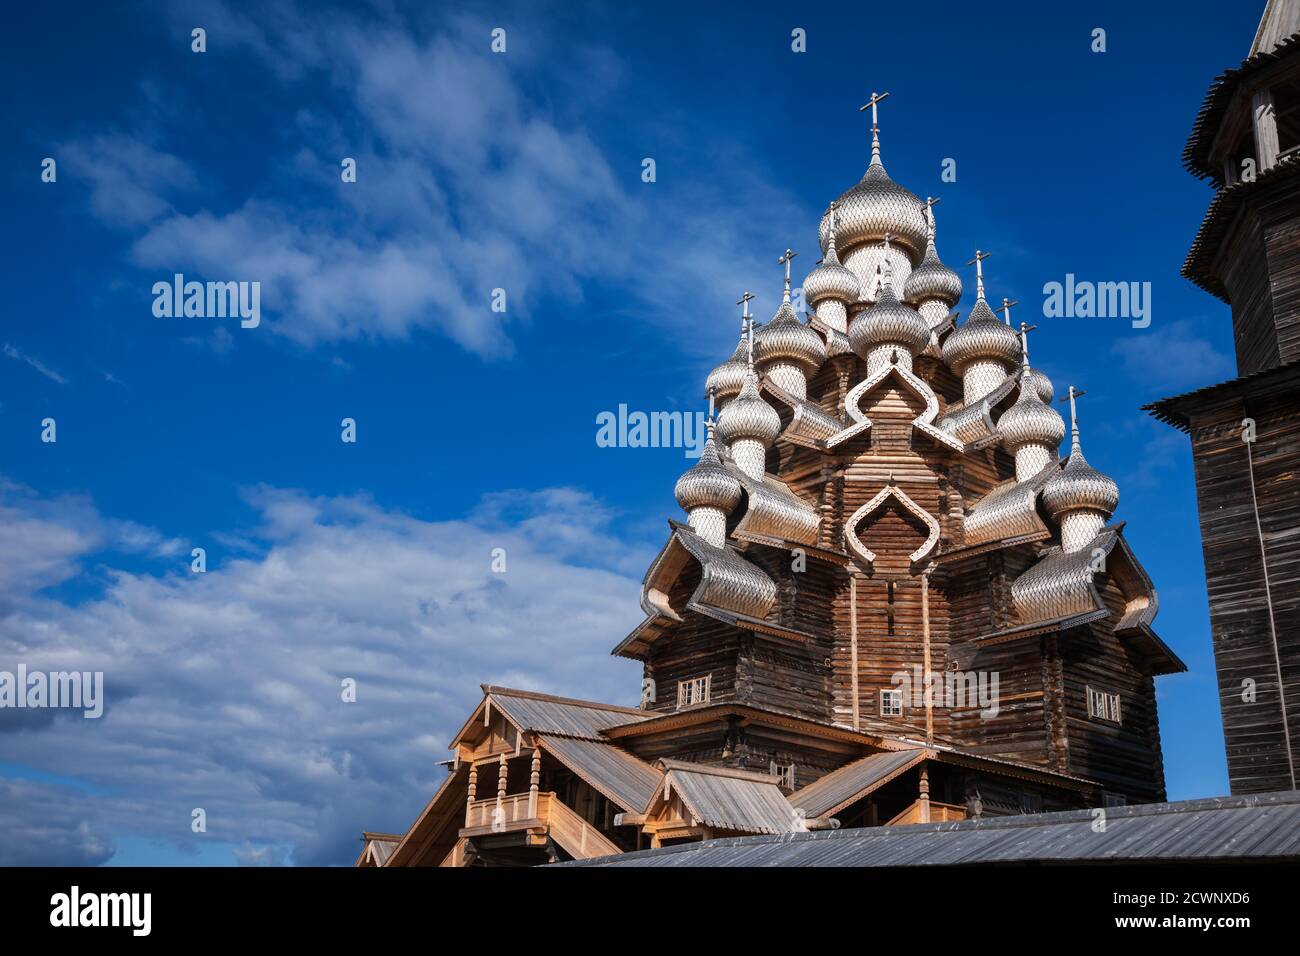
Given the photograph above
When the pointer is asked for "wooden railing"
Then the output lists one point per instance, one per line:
(517, 812)
(540, 813)
(578, 837)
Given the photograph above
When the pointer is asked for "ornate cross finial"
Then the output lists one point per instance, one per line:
(876, 98)
(1006, 309)
(978, 262)
(709, 421)
(747, 323)
(930, 203)
(1074, 418)
(889, 268)
(785, 260)
(1025, 329)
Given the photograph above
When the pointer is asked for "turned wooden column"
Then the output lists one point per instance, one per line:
(534, 781)
(473, 792)
(501, 781)
(925, 794)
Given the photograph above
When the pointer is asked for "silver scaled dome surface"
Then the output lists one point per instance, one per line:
(726, 379)
(1080, 487)
(889, 322)
(748, 416)
(1029, 421)
(874, 207)
(785, 337)
(1041, 383)
(981, 338)
(831, 280)
(931, 279)
(707, 484)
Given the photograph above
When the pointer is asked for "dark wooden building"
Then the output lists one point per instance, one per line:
(892, 601)
(1245, 432)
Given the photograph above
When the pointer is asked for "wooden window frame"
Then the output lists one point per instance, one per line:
(894, 693)
(695, 690)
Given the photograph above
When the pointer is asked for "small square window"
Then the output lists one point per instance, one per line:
(694, 691)
(1114, 799)
(1031, 803)
(1103, 705)
(891, 703)
(783, 771)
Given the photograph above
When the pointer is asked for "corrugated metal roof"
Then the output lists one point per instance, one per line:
(854, 781)
(730, 799)
(542, 714)
(1258, 827)
(623, 778)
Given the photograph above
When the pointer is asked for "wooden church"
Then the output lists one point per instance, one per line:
(892, 600)
(1246, 432)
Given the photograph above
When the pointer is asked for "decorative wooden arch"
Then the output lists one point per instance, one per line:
(855, 544)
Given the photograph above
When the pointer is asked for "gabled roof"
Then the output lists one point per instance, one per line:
(626, 780)
(829, 794)
(1264, 827)
(533, 712)
(725, 799)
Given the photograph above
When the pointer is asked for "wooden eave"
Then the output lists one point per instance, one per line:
(749, 715)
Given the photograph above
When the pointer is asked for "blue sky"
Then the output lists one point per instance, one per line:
(476, 429)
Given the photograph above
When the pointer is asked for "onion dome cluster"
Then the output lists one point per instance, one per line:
(727, 378)
(888, 323)
(931, 280)
(787, 340)
(1030, 422)
(981, 338)
(748, 417)
(1080, 487)
(707, 484)
(831, 280)
(875, 207)
(1033, 379)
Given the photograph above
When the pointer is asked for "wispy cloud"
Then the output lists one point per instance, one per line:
(20, 356)
(224, 689)
(504, 191)
(1174, 355)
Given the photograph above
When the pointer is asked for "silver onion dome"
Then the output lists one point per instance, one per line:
(831, 280)
(1080, 487)
(981, 338)
(874, 207)
(726, 379)
(748, 416)
(1029, 421)
(1041, 383)
(785, 337)
(931, 279)
(889, 322)
(707, 484)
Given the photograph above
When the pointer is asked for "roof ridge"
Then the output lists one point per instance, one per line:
(493, 689)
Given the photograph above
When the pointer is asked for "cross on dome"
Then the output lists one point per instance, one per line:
(978, 262)
(872, 103)
(785, 260)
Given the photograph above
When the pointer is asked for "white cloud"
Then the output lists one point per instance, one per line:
(223, 689)
(466, 183)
